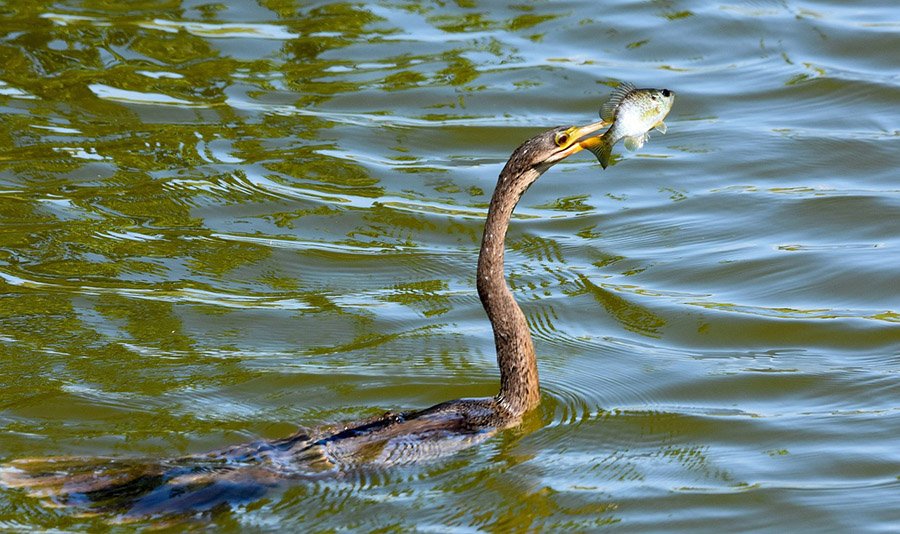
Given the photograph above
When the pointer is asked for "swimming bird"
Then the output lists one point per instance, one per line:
(139, 487)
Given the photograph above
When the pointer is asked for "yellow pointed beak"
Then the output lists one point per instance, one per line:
(580, 137)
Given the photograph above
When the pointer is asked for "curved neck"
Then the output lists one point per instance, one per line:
(519, 386)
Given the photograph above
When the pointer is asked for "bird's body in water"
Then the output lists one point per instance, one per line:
(632, 112)
(139, 488)
(136, 488)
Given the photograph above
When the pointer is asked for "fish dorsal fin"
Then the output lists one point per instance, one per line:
(608, 111)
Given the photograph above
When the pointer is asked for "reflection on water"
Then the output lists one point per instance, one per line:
(221, 221)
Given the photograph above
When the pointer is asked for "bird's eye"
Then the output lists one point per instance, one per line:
(562, 138)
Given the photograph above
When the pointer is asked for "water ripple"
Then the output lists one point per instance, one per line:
(138, 97)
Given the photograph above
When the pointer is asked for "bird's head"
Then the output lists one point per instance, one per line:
(549, 148)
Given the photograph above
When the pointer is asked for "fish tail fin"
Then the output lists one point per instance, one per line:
(601, 148)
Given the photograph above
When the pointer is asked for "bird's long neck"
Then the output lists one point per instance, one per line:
(519, 386)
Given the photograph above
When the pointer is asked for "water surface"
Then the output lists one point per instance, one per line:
(221, 221)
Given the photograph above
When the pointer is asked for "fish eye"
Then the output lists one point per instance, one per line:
(666, 93)
(562, 138)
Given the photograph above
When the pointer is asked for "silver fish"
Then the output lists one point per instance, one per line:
(633, 113)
